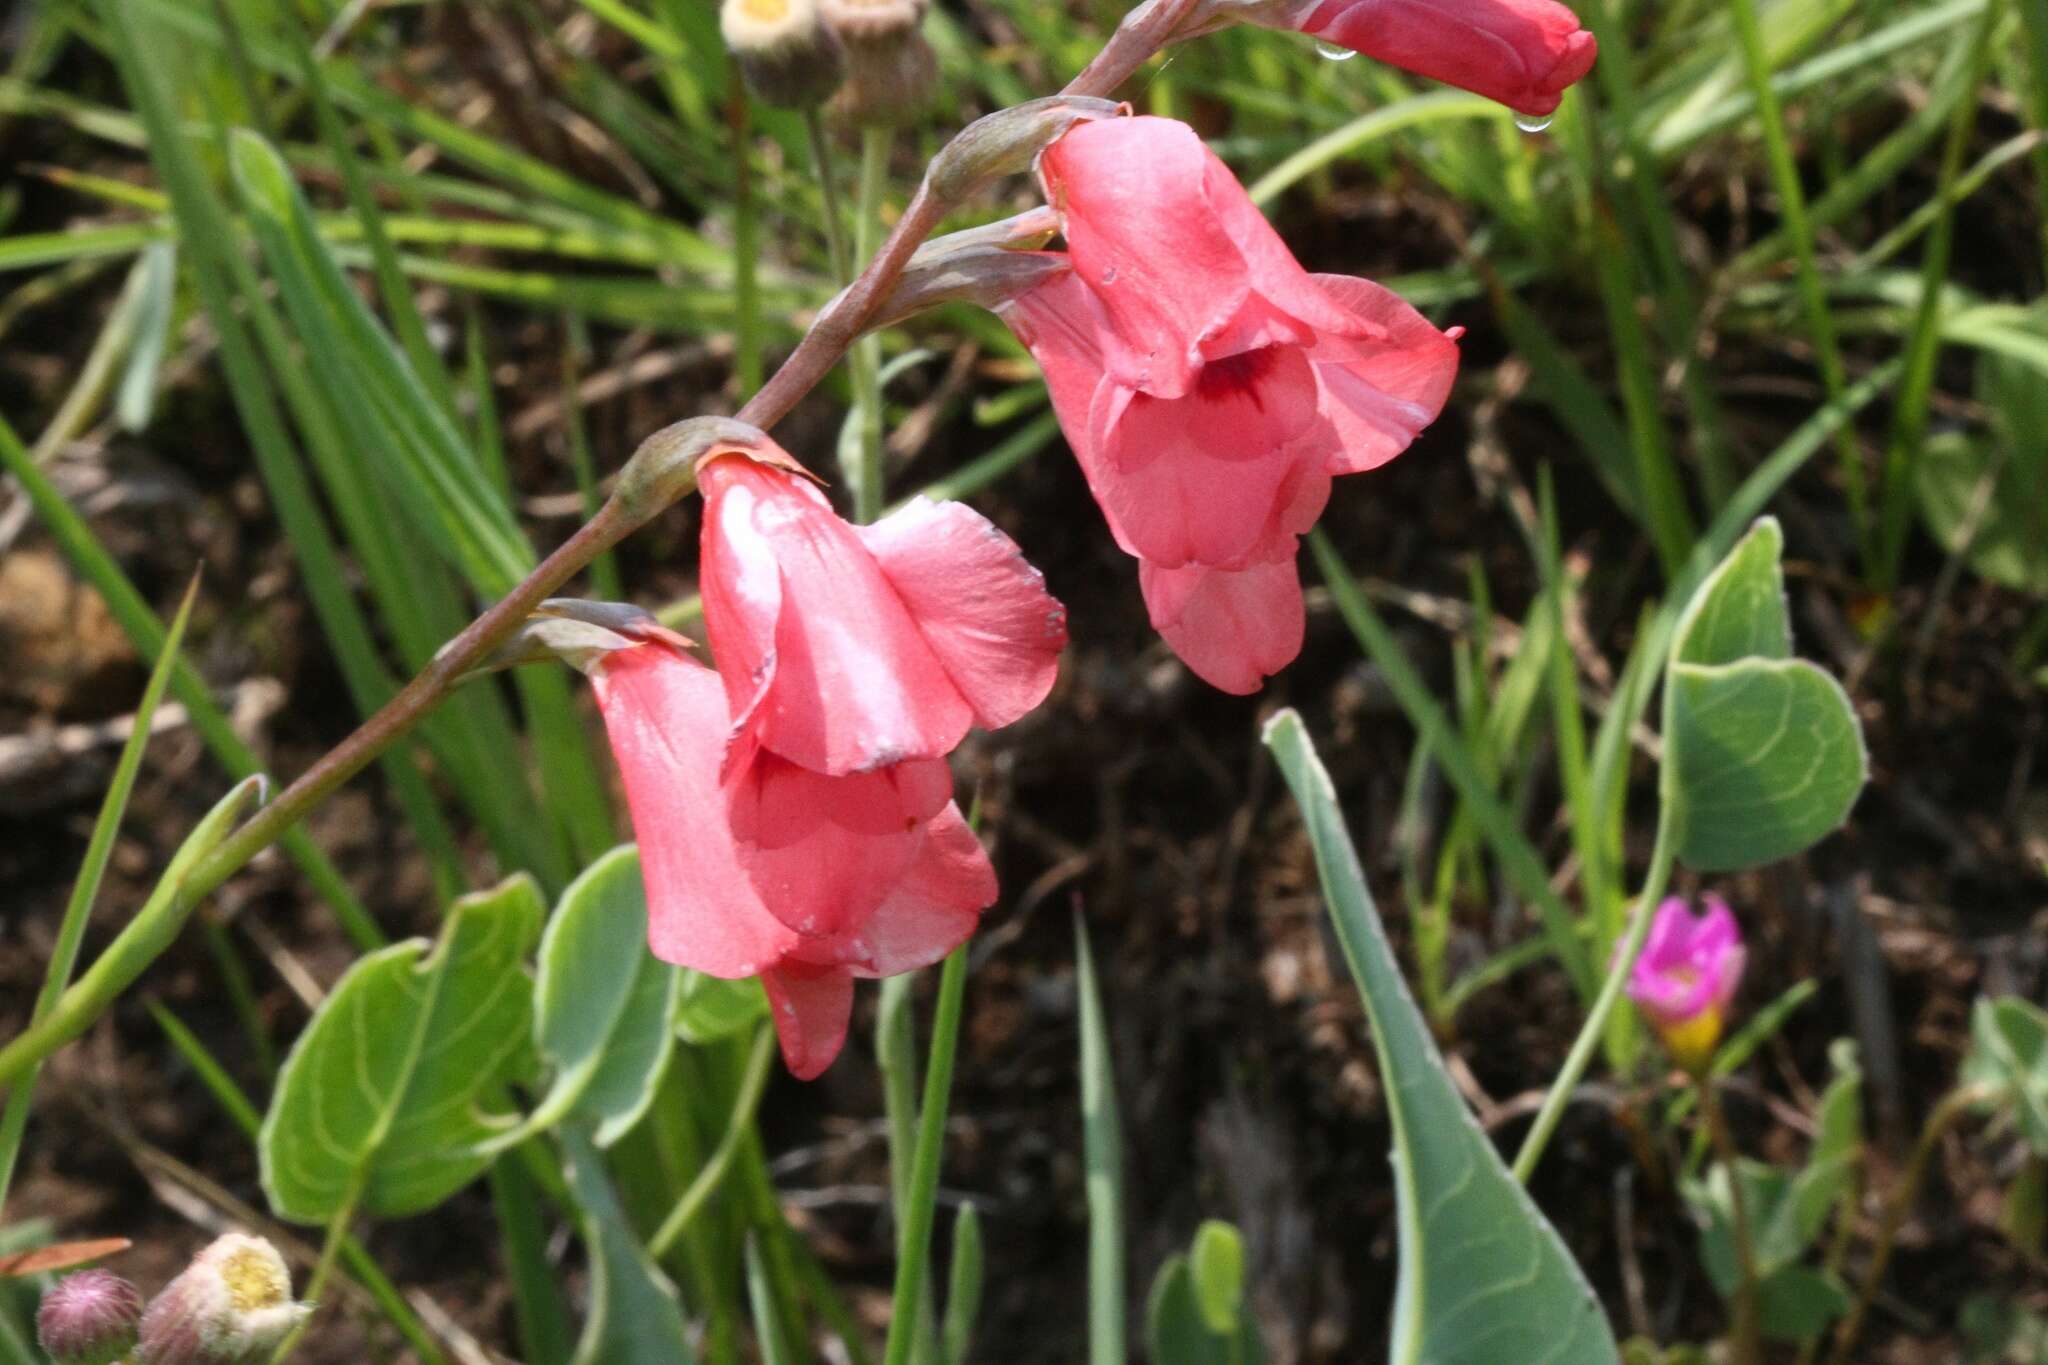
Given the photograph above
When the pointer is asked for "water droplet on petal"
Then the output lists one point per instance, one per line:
(1334, 52)
(1533, 123)
(1109, 275)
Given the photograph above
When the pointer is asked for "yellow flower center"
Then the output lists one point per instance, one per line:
(254, 1280)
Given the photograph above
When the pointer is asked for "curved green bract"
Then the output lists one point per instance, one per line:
(1484, 1277)
(602, 1003)
(1764, 752)
(377, 1107)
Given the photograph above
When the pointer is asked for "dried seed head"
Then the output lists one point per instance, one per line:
(870, 20)
(788, 56)
(231, 1306)
(891, 71)
(89, 1319)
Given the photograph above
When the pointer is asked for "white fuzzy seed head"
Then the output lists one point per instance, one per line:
(231, 1306)
(787, 54)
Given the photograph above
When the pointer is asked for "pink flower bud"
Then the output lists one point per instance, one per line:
(89, 1319)
(231, 1306)
(1524, 53)
(1687, 974)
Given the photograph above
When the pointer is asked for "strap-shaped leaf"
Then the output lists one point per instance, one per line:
(378, 1103)
(634, 1316)
(1764, 751)
(1484, 1277)
(602, 1003)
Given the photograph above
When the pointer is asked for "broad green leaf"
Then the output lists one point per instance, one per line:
(709, 1009)
(1217, 1263)
(1798, 1303)
(1177, 1332)
(963, 1288)
(1786, 1211)
(634, 1317)
(2009, 1056)
(1981, 495)
(378, 1104)
(1764, 751)
(1195, 1314)
(1484, 1278)
(1739, 612)
(601, 1002)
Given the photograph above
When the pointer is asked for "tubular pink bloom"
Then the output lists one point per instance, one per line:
(847, 649)
(724, 858)
(1688, 972)
(1523, 53)
(1210, 387)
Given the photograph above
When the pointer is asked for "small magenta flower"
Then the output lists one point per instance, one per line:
(89, 1319)
(1687, 974)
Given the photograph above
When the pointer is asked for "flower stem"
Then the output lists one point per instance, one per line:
(753, 1083)
(1748, 1343)
(828, 193)
(866, 474)
(746, 242)
(1954, 1106)
(1590, 1032)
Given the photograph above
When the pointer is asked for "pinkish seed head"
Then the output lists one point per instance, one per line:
(89, 1319)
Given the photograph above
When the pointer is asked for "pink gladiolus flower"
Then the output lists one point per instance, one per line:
(711, 903)
(1210, 387)
(1688, 972)
(1523, 53)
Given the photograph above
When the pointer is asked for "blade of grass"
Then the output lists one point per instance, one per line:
(761, 1298)
(85, 889)
(1923, 346)
(914, 1234)
(1518, 858)
(1813, 297)
(1102, 1146)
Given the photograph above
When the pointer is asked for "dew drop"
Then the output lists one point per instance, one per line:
(1532, 123)
(1334, 52)
(1109, 275)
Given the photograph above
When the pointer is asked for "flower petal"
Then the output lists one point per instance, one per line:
(812, 1007)
(850, 684)
(932, 911)
(1132, 199)
(1379, 393)
(980, 606)
(666, 717)
(823, 852)
(1161, 479)
(1233, 629)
